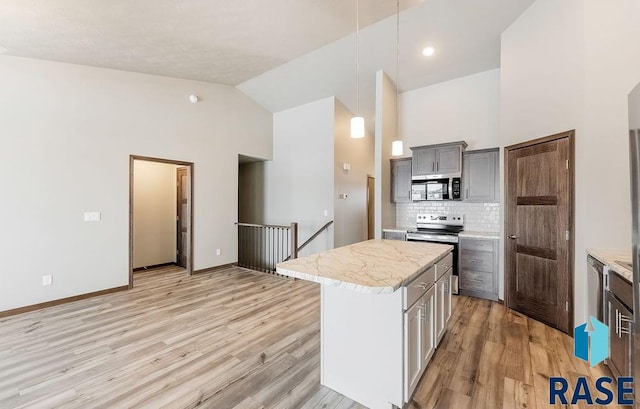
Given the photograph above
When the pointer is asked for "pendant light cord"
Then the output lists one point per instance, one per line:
(397, 68)
(357, 57)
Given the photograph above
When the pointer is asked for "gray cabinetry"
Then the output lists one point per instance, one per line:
(394, 235)
(443, 159)
(478, 267)
(480, 176)
(401, 180)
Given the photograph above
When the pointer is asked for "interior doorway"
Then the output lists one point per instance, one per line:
(160, 214)
(371, 188)
(539, 186)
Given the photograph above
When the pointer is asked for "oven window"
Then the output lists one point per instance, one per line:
(435, 191)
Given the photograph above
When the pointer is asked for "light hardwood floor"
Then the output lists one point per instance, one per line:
(240, 339)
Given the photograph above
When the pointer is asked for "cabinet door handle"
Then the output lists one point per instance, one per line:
(433, 166)
(618, 323)
(623, 330)
(467, 193)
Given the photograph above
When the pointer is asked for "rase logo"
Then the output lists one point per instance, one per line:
(591, 346)
(599, 338)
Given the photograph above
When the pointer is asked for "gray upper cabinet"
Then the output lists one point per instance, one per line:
(401, 180)
(480, 176)
(424, 161)
(448, 160)
(443, 159)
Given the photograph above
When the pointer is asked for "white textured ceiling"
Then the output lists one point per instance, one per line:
(221, 41)
(465, 34)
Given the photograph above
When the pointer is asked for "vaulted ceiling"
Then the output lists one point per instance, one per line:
(221, 41)
(282, 53)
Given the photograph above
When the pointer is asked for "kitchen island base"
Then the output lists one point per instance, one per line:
(362, 346)
(384, 307)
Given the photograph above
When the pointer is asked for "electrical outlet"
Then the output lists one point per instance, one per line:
(218, 252)
(47, 280)
(326, 213)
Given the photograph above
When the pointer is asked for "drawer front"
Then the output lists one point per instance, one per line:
(476, 281)
(444, 265)
(416, 288)
(477, 245)
(477, 260)
(394, 235)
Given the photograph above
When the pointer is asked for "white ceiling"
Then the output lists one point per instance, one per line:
(221, 41)
(465, 33)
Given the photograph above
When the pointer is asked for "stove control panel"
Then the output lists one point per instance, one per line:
(450, 219)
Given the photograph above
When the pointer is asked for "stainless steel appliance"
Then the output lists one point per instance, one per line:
(596, 279)
(634, 151)
(444, 229)
(436, 189)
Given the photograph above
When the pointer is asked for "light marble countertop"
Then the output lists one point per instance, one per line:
(609, 258)
(373, 266)
(480, 234)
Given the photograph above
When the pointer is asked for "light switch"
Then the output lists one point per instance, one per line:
(91, 216)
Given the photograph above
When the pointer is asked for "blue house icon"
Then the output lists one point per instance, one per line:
(598, 338)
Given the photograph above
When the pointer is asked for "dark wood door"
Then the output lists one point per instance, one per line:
(182, 217)
(539, 243)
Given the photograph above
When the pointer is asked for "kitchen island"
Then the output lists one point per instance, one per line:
(384, 308)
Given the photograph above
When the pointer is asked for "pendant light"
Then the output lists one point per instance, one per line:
(357, 122)
(396, 146)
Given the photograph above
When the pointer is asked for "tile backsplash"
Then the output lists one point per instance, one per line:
(477, 216)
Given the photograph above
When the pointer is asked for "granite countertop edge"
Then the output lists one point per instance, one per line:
(360, 288)
(492, 235)
(609, 258)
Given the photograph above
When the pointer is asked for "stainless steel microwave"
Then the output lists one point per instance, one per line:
(436, 189)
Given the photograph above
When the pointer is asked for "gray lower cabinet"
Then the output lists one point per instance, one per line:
(480, 177)
(401, 180)
(394, 235)
(478, 267)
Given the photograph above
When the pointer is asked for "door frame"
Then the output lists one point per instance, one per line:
(189, 166)
(371, 207)
(570, 135)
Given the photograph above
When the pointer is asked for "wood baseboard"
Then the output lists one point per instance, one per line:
(60, 301)
(214, 269)
(172, 263)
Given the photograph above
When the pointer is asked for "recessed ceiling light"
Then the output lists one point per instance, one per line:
(3, 50)
(428, 51)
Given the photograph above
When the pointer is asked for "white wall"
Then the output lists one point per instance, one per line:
(385, 134)
(570, 65)
(67, 135)
(154, 213)
(464, 109)
(350, 213)
(299, 181)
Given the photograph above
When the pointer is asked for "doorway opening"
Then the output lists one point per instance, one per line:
(160, 214)
(371, 197)
(251, 190)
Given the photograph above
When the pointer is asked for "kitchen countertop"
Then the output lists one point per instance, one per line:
(373, 266)
(398, 229)
(609, 258)
(480, 234)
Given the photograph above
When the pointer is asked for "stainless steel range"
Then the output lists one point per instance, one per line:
(436, 228)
